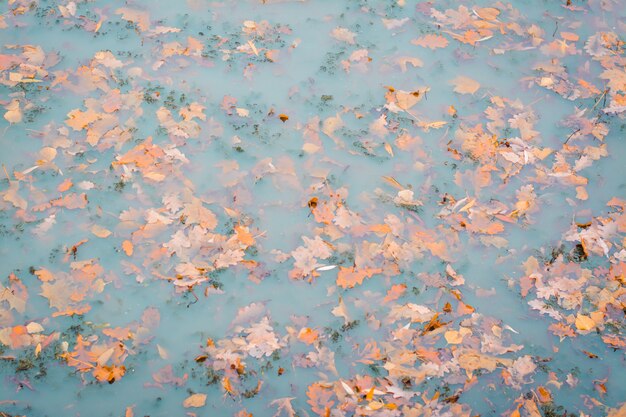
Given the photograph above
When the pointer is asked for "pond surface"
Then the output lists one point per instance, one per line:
(301, 208)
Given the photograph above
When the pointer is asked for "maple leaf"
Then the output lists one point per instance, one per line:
(261, 339)
(228, 258)
(58, 293)
(197, 213)
(16, 298)
(248, 313)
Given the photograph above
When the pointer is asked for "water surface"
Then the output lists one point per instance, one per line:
(299, 208)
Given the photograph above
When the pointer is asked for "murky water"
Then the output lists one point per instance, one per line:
(299, 208)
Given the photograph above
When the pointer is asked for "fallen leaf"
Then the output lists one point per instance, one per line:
(195, 400)
(100, 231)
(465, 85)
(431, 41)
(584, 323)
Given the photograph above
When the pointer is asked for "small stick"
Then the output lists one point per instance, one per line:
(6, 173)
(570, 136)
(600, 98)
(190, 288)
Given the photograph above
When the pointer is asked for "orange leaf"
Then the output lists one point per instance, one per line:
(142, 19)
(453, 337)
(128, 247)
(395, 292)
(44, 275)
(65, 185)
(349, 277)
(319, 399)
(431, 41)
(109, 373)
(244, 235)
(71, 201)
(382, 229)
(488, 13)
(227, 386)
(569, 36)
(308, 336)
(544, 395)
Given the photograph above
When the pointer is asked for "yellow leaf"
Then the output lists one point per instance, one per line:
(375, 405)
(195, 400)
(584, 322)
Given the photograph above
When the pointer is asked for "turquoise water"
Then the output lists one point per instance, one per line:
(298, 208)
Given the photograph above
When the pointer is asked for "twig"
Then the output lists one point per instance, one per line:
(190, 288)
(600, 98)
(6, 173)
(570, 136)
